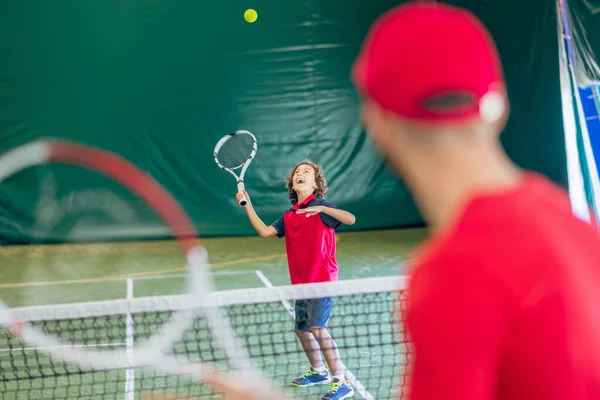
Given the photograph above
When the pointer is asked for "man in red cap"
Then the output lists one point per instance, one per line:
(504, 298)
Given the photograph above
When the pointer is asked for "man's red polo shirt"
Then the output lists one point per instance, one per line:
(506, 304)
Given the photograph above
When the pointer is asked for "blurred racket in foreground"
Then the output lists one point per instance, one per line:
(150, 350)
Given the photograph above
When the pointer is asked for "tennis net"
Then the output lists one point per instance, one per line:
(366, 324)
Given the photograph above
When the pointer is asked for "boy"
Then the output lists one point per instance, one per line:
(309, 231)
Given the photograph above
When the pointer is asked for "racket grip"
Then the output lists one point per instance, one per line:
(243, 201)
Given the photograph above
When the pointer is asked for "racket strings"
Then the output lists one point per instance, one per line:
(236, 151)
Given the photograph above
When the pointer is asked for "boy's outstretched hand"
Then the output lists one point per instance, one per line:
(310, 210)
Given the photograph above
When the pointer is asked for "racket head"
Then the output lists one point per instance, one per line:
(235, 151)
(149, 351)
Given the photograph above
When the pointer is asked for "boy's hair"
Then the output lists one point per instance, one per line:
(320, 180)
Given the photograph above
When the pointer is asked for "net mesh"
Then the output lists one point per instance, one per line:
(236, 151)
(366, 326)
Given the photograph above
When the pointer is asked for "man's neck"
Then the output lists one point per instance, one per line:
(442, 189)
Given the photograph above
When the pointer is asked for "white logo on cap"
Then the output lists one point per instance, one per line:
(492, 106)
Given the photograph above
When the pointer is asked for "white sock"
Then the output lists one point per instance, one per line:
(340, 377)
(320, 370)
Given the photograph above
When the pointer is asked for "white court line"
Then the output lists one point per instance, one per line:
(184, 275)
(114, 279)
(60, 347)
(268, 284)
(355, 382)
(129, 374)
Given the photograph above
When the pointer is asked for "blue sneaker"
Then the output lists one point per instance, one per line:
(339, 390)
(312, 378)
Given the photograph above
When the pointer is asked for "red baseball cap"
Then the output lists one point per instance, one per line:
(432, 62)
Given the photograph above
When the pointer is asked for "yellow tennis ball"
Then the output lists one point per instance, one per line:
(250, 15)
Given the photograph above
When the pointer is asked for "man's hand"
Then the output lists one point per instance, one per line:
(233, 389)
(309, 211)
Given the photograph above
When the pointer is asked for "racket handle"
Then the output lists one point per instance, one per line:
(243, 201)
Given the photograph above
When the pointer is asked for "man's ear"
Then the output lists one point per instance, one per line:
(374, 119)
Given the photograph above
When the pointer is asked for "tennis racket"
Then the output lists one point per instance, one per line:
(153, 352)
(234, 152)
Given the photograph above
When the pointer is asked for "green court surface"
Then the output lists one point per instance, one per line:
(363, 326)
(41, 275)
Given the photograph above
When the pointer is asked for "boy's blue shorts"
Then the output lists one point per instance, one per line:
(313, 312)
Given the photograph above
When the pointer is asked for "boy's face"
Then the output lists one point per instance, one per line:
(303, 180)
